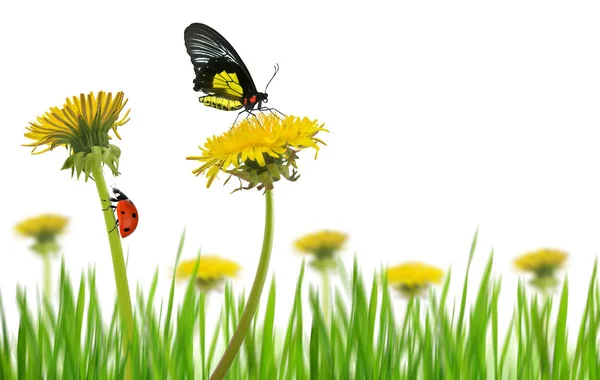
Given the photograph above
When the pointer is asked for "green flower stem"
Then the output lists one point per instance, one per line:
(123, 296)
(47, 276)
(254, 297)
(326, 294)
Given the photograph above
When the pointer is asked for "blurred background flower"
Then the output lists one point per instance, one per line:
(413, 278)
(44, 229)
(323, 246)
(543, 264)
(211, 273)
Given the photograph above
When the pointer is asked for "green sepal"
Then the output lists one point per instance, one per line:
(90, 161)
(69, 162)
(110, 157)
(83, 162)
(105, 154)
(412, 290)
(273, 170)
(113, 167)
(322, 264)
(79, 162)
(209, 284)
(285, 172)
(116, 151)
(544, 283)
(263, 177)
(46, 247)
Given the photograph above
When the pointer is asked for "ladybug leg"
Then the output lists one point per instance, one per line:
(111, 206)
(116, 224)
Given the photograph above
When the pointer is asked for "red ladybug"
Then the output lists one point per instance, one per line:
(127, 214)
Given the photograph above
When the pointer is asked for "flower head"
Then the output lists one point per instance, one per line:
(212, 271)
(82, 126)
(413, 278)
(322, 245)
(259, 150)
(44, 228)
(542, 263)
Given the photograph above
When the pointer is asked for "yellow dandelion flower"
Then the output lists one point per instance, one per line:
(44, 228)
(259, 150)
(413, 278)
(42, 225)
(323, 244)
(212, 270)
(542, 262)
(82, 125)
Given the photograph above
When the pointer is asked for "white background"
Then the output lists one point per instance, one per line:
(443, 117)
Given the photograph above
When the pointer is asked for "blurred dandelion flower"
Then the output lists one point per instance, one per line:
(82, 125)
(322, 245)
(259, 150)
(211, 272)
(542, 263)
(44, 228)
(413, 278)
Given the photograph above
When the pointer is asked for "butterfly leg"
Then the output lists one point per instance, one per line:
(255, 117)
(274, 111)
(236, 118)
(249, 112)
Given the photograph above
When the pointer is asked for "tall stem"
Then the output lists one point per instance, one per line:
(123, 296)
(326, 294)
(47, 279)
(254, 297)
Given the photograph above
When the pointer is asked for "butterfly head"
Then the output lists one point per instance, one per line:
(262, 97)
(255, 100)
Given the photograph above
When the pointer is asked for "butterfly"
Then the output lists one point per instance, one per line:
(220, 72)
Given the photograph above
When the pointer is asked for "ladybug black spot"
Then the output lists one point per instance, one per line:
(122, 212)
(126, 229)
(134, 215)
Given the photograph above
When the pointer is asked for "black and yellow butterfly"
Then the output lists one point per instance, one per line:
(220, 72)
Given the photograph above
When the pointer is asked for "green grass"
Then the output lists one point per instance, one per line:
(370, 334)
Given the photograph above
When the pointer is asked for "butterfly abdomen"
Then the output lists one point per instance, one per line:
(221, 103)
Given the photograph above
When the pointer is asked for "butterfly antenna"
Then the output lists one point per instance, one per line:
(276, 67)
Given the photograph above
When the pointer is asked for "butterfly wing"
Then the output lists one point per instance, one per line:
(219, 69)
